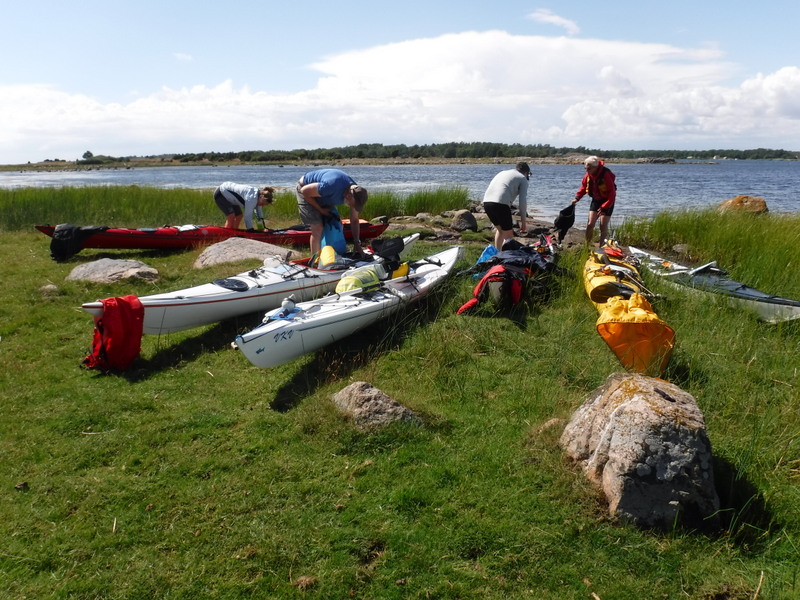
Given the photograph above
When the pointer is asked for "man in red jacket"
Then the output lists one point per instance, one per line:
(600, 185)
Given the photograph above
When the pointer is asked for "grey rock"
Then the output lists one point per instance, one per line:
(369, 407)
(643, 442)
(464, 220)
(109, 270)
(238, 249)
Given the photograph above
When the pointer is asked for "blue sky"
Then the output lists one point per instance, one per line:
(146, 77)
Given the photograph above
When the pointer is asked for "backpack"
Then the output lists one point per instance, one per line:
(117, 338)
(513, 273)
(505, 284)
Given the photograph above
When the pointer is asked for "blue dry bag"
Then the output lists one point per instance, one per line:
(332, 233)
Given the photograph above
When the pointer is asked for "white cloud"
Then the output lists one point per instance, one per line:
(471, 86)
(183, 57)
(763, 111)
(543, 15)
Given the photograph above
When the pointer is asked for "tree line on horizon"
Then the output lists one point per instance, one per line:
(449, 150)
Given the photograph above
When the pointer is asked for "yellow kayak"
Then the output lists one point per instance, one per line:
(627, 322)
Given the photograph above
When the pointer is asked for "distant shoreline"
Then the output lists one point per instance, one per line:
(150, 163)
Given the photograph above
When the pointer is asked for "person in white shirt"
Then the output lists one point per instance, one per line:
(236, 200)
(504, 188)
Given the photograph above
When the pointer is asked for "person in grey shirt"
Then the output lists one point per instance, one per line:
(504, 188)
(237, 200)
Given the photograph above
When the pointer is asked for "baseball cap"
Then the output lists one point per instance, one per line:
(523, 168)
(360, 196)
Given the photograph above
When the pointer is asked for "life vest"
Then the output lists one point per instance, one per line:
(600, 188)
(117, 338)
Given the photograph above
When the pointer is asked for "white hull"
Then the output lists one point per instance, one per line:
(257, 290)
(713, 282)
(313, 325)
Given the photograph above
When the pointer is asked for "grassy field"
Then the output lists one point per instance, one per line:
(196, 475)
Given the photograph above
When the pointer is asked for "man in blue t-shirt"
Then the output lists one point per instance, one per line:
(320, 192)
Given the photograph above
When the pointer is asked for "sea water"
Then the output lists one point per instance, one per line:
(643, 189)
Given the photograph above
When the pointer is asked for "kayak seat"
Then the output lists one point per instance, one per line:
(235, 285)
(610, 289)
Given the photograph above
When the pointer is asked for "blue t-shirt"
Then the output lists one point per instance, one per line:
(333, 183)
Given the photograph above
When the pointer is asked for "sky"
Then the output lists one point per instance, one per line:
(149, 78)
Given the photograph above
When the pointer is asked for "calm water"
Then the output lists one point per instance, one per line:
(643, 190)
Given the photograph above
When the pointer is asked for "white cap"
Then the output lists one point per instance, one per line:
(591, 161)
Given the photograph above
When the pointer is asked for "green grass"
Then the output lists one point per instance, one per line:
(135, 206)
(735, 240)
(196, 475)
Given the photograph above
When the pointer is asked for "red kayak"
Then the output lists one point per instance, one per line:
(70, 239)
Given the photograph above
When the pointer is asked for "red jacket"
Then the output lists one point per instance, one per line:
(600, 186)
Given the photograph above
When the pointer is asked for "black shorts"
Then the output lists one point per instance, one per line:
(499, 214)
(596, 204)
(224, 205)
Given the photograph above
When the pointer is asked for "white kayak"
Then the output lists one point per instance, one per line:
(711, 279)
(253, 291)
(297, 329)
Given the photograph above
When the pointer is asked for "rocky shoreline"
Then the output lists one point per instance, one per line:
(441, 229)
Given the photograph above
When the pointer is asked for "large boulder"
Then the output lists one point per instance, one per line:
(643, 442)
(238, 249)
(369, 407)
(747, 204)
(109, 270)
(464, 220)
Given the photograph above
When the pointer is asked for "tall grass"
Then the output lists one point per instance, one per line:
(196, 475)
(134, 206)
(762, 250)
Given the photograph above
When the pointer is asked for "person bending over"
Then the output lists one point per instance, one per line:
(319, 193)
(237, 201)
(504, 188)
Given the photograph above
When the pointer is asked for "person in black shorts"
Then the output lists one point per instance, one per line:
(505, 187)
(600, 183)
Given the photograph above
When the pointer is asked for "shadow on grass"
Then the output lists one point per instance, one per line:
(91, 254)
(744, 513)
(682, 372)
(171, 356)
(341, 358)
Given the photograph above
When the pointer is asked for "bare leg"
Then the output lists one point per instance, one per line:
(500, 237)
(604, 221)
(316, 237)
(233, 221)
(590, 226)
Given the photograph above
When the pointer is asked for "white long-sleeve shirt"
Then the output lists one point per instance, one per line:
(506, 187)
(249, 193)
